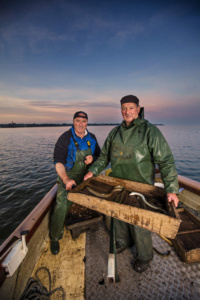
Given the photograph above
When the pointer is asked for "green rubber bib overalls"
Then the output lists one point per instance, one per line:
(62, 203)
(124, 164)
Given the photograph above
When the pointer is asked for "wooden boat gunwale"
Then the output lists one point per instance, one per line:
(189, 184)
(30, 223)
(33, 220)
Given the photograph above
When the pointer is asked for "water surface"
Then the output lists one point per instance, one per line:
(27, 172)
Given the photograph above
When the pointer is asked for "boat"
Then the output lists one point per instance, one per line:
(80, 268)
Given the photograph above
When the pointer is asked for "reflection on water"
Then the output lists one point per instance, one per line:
(184, 142)
(27, 171)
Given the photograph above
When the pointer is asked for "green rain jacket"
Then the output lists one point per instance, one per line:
(133, 152)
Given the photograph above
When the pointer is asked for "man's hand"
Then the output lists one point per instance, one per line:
(68, 183)
(88, 159)
(88, 175)
(172, 197)
(60, 169)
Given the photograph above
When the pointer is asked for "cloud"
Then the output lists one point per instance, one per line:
(41, 105)
(57, 105)
(69, 104)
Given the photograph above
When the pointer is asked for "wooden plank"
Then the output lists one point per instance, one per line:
(146, 219)
(189, 184)
(172, 211)
(190, 199)
(131, 186)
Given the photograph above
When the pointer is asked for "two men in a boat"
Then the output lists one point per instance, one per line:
(133, 148)
(74, 152)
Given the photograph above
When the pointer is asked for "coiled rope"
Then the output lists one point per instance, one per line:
(34, 289)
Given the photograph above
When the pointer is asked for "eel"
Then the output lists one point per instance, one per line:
(116, 188)
(147, 203)
(119, 188)
(163, 254)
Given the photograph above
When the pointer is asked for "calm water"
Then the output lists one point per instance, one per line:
(27, 170)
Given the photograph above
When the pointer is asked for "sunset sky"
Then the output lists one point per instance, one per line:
(58, 57)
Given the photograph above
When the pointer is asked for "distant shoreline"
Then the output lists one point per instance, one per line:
(15, 125)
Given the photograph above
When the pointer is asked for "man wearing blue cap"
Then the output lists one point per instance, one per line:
(133, 148)
(74, 152)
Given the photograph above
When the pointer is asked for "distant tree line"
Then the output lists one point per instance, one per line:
(17, 125)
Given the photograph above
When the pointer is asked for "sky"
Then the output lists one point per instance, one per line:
(58, 57)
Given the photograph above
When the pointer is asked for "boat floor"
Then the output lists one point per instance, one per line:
(168, 278)
(81, 269)
(67, 268)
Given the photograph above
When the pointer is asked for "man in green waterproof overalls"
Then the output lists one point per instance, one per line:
(74, 152)
(133, 148)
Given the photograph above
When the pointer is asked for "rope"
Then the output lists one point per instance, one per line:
(34, 289)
